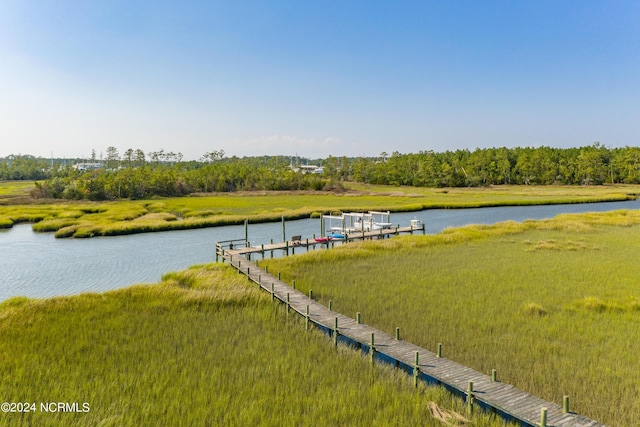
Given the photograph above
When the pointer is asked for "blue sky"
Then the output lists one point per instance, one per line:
(316, 78)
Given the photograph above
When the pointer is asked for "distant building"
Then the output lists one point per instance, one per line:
(310, 169)
(87, 166)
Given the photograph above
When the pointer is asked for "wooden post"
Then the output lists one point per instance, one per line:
(248, 273)
(286, 247)
(273, 293)
(358, 318)
(372, 348)
(439, 354)
(310, 293)
(306, 319)
(278, 275)
(294, 283)
(266, 269)
(259, 280)
(284, 236)
(494, 375)
(288, 304)
(397, 334)
(416, 370)
(543, 417)
(470, 398)
(565, 404)
(262, 250)
(246, 232)
(330, 305)
(335, 333)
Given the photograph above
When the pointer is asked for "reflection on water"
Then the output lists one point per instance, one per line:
(38, 265)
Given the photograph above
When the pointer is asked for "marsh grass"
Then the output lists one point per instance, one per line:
(85, 219)
(15, 189)
(203, 347)
(552, 305)
(534, 309)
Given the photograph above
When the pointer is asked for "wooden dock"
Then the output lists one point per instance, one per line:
(486, 391)
(241, 247)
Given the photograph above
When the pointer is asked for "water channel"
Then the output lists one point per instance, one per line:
(38, 265)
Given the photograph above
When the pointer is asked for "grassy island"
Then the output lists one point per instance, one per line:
(88, 219)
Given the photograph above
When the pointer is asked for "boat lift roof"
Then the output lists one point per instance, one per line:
(332, 217)
(363, 214)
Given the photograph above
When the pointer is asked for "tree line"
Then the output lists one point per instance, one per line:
(168, 178)
(136, 175)
(589, 165)
(24, 167)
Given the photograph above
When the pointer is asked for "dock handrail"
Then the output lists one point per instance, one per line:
(229, 244)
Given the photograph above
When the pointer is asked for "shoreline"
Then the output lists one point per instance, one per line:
(66, 225)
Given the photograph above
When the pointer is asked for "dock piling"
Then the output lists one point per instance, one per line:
(372, 347)
(306, 318)
(288, 304)
(416, 370)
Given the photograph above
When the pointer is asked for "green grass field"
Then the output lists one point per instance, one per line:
(86, 219)
(553, 305)
(204, 347)
(15, 188)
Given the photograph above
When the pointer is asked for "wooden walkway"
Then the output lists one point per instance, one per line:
(504, 399)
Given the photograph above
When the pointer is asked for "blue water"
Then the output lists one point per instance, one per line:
(38, 265)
